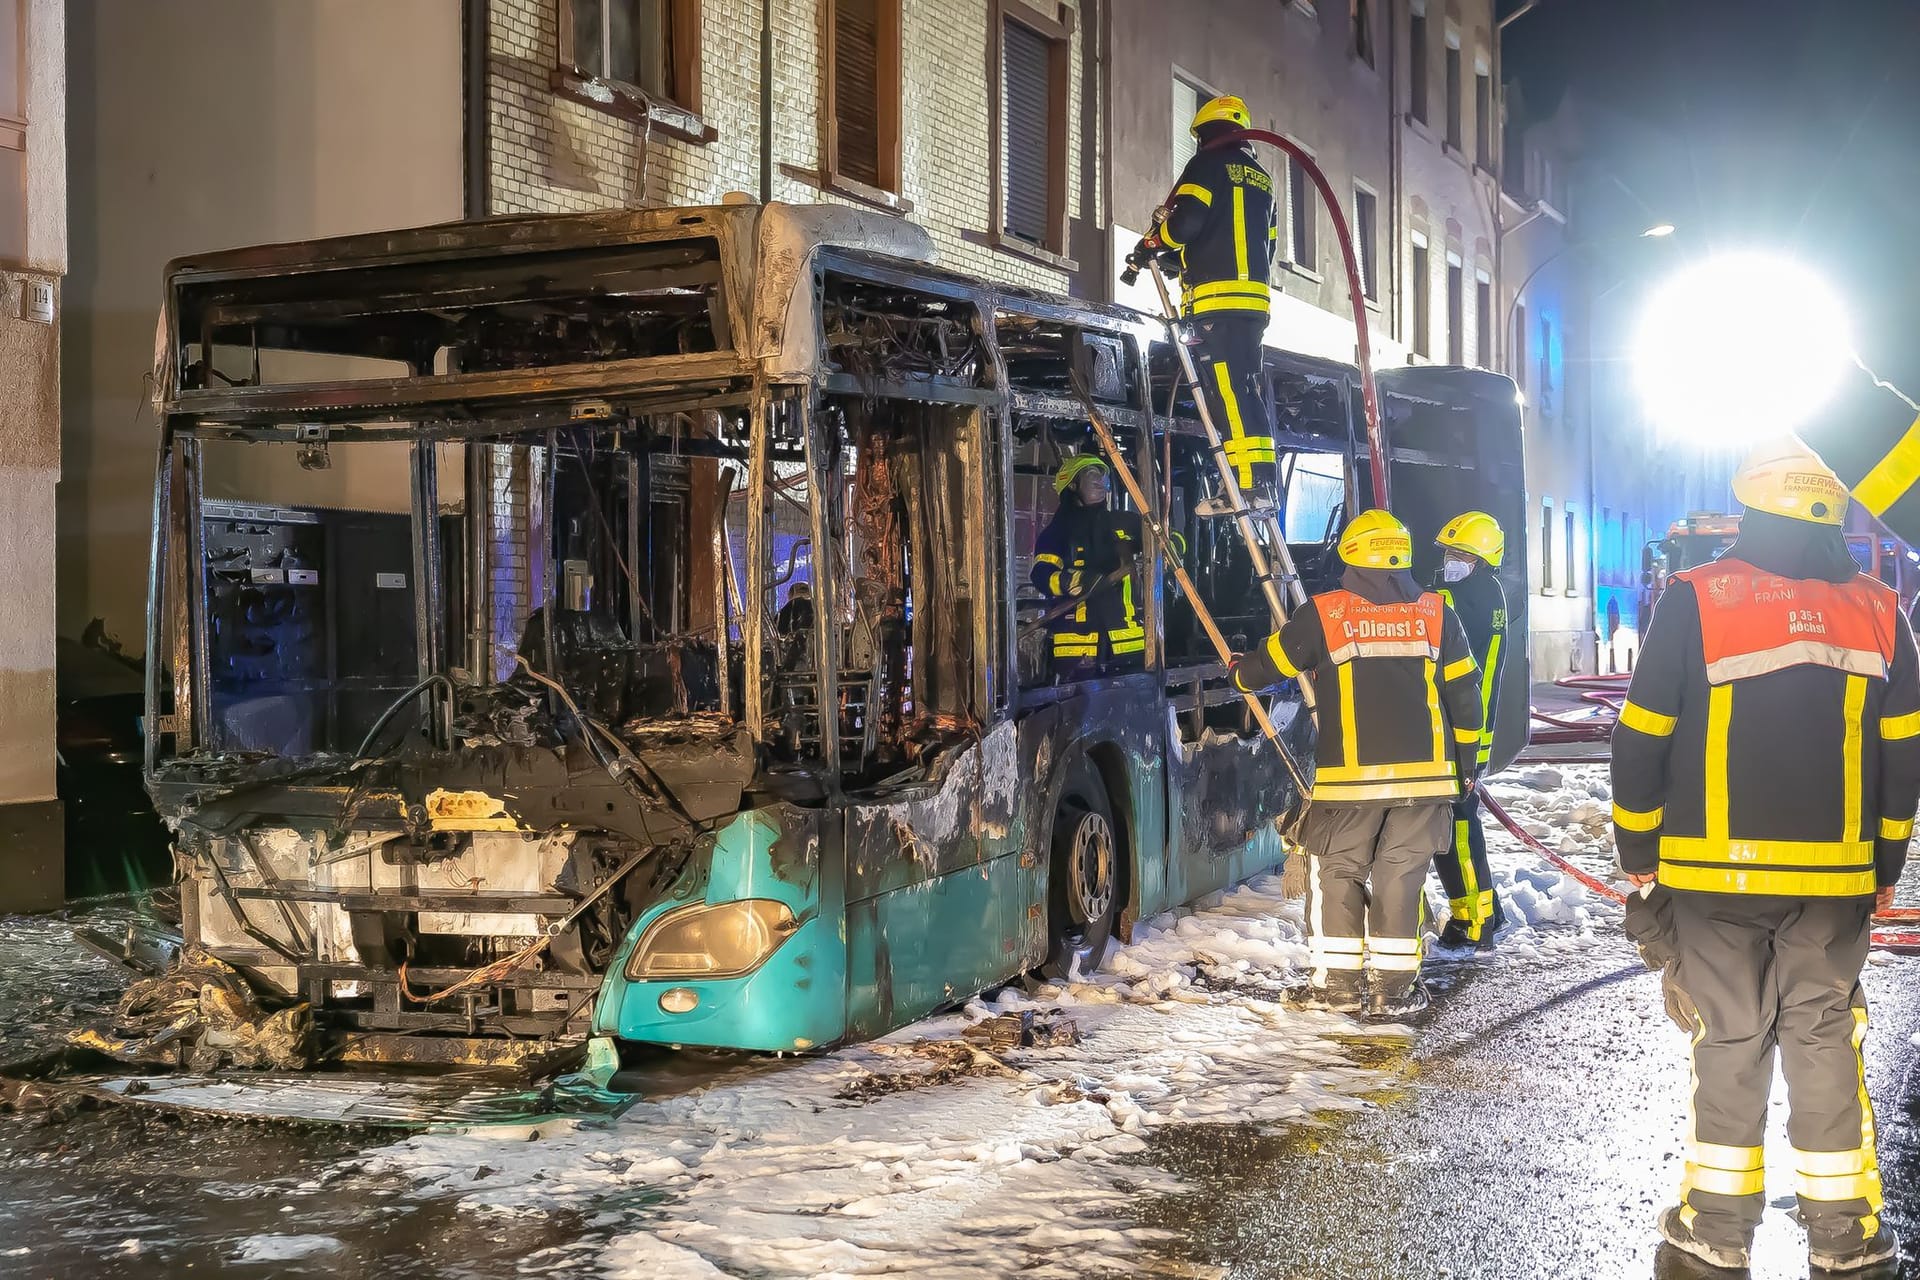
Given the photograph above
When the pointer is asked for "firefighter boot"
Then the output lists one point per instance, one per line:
(1344, 992)
(1675, 1231)
(1883, 1246)
(1397, 995)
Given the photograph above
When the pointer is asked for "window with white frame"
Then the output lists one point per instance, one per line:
(1303, 204)
(1483, 319)
(1366, 231)
(1482, 112)
(1517, 358)
(1421, 296)
(1571, 517)
(650, 44)
(1456, 310)
(1546, 545)
(1454, 89)
(1418, 57)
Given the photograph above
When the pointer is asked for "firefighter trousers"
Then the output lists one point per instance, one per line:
(1366, 889)
(1229, 363)
(1767, 973)
(1464, 872)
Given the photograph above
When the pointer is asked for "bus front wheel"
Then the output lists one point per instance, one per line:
(1083, 894)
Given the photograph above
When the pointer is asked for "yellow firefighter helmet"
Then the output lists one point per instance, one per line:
(1376, 540)
(1070, 470)
(1477, 534)
(1224, 109)
(1785, 478)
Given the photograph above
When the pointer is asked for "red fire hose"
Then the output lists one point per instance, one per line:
(1593, 883)
(1890, 939)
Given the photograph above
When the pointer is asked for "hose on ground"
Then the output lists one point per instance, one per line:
(1907, 939)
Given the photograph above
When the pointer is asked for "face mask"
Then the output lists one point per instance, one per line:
(1455, 570)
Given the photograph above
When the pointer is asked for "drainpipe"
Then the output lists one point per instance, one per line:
(1104, 105)
(474, 37)
(1393, 170)
(766, 102)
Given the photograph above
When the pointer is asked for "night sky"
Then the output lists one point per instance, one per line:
(1787, 124)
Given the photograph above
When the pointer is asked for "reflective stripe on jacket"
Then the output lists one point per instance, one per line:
(1399, 702)
(1770, 741)
(1223, 222)
(1079, 546)
(1481, 605)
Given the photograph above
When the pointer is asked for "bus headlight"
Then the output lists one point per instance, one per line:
(700, 941)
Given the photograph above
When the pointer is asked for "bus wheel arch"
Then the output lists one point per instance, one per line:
(1089, 856)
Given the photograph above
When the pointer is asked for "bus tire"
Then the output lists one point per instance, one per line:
(1084, 880)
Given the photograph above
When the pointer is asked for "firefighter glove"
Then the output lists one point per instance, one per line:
(1680, 1006)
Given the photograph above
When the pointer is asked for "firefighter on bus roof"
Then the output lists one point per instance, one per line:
(1084, 543)
(1474, 545)
(1399, 735)
(1766, 767)
(1218, 233)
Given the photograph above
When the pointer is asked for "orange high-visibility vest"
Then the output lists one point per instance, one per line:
(1753, 623)
(1358, 628)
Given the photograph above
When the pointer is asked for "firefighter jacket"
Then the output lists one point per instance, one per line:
(1481, 605)
(1079, 546)
(1770, 741)
(1222, 224)
(1397, 687)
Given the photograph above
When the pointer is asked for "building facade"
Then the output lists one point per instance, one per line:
(33, 259)
(1546, 355)
(1032, 138)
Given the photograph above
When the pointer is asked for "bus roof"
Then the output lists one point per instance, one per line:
(775, 248)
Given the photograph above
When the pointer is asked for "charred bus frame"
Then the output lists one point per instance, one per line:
(787, 835)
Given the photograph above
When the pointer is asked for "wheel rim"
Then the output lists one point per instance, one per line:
(1092, 866)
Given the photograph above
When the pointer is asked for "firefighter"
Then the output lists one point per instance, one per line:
(1218, 233)
(1399, 736)
(1766, 767)
(1083, 543)
(1474, 545)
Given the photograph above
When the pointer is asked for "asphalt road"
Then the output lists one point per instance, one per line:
(1531, 1130)
(1536, 1132)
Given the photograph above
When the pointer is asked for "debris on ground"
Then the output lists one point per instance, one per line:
(201, 1015)
(1025, 1029)
(925, 1063)
(934, 1062)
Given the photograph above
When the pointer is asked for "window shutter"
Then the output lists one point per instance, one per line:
(856, 98)
(1186, 105)
(1300, 208)
(1453, 96)
(1024, 149)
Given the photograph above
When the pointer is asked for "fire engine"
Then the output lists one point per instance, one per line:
(1702, 536)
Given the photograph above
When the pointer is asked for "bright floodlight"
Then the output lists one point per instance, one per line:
(1740, 347)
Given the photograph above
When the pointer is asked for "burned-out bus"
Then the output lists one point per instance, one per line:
(617, 624)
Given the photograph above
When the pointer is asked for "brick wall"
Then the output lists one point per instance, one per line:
(549, 153)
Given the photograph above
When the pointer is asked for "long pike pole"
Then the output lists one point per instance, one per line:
(1139, 496)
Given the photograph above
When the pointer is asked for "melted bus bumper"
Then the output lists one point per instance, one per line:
(750, 956)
